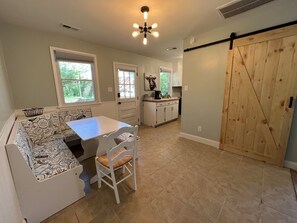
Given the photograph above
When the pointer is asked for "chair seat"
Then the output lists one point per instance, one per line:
(125, 159)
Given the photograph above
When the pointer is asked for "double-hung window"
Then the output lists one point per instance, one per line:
(165, 80)
(75, 77)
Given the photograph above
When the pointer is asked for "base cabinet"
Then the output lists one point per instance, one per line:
(156, 113)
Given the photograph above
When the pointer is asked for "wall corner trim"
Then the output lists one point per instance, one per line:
(202, 140)
(290, 164)
(5, 131)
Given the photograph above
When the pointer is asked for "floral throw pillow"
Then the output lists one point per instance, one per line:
(70, 115)
(42, 127)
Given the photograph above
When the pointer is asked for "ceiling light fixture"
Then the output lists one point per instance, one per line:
(145, 29)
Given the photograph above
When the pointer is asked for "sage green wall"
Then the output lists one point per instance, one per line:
(291, 154)
(204, 71)
(203, 101)
(6, 101)
(29, 64)
(9, 206)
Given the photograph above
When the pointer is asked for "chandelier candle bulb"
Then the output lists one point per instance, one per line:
(144, 41)
(145, 15)
(136, 26)
(155, 34)
(155, 25)
(135, 34)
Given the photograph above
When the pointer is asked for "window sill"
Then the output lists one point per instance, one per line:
(79, 104)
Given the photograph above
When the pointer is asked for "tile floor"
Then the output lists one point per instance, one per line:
(184, 181)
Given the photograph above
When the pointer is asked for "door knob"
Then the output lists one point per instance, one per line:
(119, 102)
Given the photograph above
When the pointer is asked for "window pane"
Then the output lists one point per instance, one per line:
(121, 90)
(132, 78)
(127, 91)
(121, 77)
(78, 91)
(165, 83)
(127, 77)
(132, 91)
(73, 70)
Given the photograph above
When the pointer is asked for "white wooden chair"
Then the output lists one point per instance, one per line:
(117, 156)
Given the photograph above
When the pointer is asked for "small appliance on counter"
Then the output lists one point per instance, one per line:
(158, 95)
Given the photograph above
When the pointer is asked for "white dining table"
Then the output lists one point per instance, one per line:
(89, 128)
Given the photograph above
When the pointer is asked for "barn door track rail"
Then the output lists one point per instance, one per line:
(233, 36)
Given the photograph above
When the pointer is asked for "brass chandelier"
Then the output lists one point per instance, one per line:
(145, 29)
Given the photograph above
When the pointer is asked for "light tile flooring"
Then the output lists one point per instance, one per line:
(184, 181)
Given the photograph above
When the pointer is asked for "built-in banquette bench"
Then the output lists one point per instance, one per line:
(46, 174)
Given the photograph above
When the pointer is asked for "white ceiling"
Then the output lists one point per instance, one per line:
(109, 22)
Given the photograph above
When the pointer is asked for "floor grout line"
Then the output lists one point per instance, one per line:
(221, 210)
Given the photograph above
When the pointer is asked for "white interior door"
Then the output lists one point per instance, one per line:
(127, 93)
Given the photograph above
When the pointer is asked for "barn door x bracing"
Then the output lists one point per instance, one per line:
(260, 94)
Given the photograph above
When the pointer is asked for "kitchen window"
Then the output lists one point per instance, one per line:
(75, 77)
(165, 81)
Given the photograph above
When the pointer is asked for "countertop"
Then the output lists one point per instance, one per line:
(161, 100)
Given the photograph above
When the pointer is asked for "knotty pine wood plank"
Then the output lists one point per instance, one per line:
(247, 113)
(291, 91)
(270, 35)
(226, 97)
(282, 81)
(260, 57)
(270, 72)
(250, 128)
(233, 101)
(240, 116)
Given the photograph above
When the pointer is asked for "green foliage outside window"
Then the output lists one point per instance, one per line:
(77, 81)
(165, 83)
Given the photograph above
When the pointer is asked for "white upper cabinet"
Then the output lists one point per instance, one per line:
(177, 74)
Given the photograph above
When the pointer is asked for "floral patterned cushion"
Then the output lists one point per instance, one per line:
(51, 138)
(125, 136)
(70, 135)
(70, 115)
(42, 128)
(24, 145)
(51, 159)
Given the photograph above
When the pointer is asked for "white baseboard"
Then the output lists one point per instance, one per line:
(216, 144)
(202, 140)
(290, 164)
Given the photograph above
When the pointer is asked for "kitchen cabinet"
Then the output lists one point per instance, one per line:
(157, 112)
(177, 75)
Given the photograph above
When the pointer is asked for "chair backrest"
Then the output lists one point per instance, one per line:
(108, 145)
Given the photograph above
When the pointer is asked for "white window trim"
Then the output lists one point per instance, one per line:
(169, 69)
(58, 82)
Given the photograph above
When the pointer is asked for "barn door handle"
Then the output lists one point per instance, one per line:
(291, 102)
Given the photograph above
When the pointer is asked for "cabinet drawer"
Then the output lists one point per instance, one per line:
(160, 104)
(175, 102)
(169, 103)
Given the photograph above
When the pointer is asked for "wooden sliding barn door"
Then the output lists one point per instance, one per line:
(260, 95)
